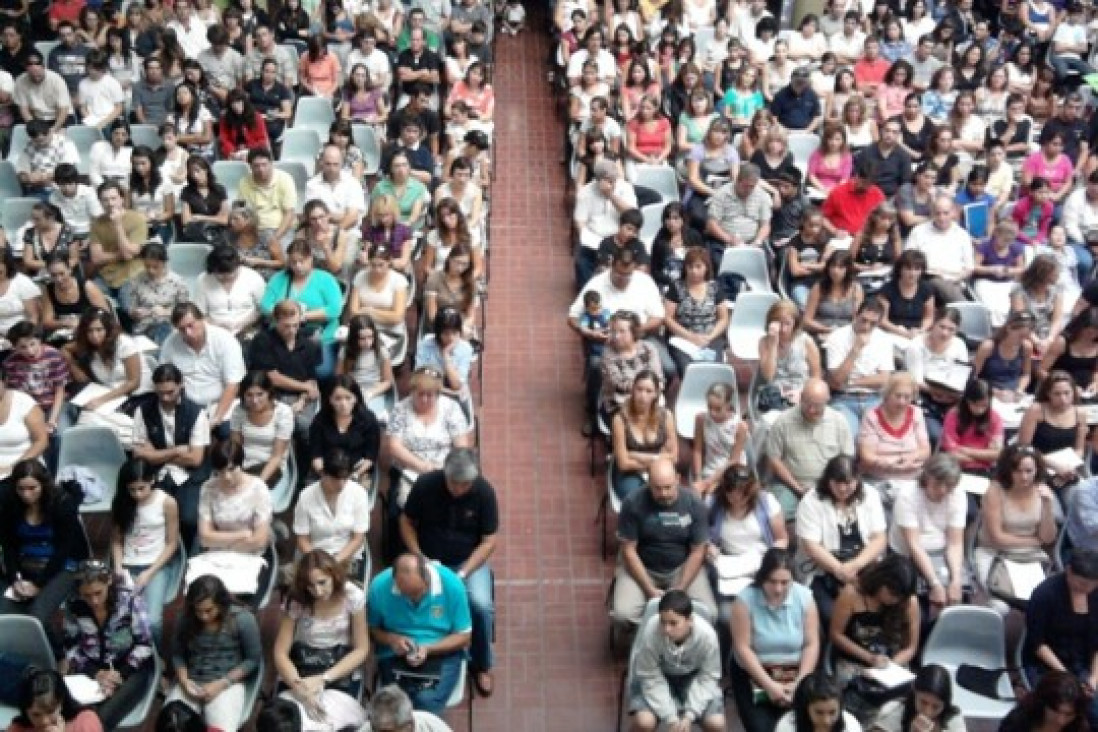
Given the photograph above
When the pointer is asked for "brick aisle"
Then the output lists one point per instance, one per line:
(554, 670)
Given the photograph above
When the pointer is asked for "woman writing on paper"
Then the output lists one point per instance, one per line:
(1055, 423)
(928, 706)
(973, 431)
(928, 357)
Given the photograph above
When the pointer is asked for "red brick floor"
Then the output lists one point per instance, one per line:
(554, 670)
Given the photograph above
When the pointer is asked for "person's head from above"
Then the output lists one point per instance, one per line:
(839, 482)
(931, 698)
(644, 396)
(154, 256)
(818, 704)
(94, 582)
(738, 490)
(189, 322)
(623, 265)
(39, 132)
(425, 387)
(940, 477)
(865, 172)
(1058, 703)
(898, 394)
(872, 49)
(1041, 274)
(676, 611)
(1072, 108)
(207, 605)
(747, 178)
(391, 710)
(227, 461)
(1081, 330)
(299, 259)
(45, 217)
(317, 217)
(281, 715)
(868, 316)
(33, 484)
(1004, 235)
(257, 392)
(287, 319)
(592, 303)
(1082, 571)
(775, 575)
(718, 402)
(261, 163)
(243, 219)
(335, 471)
(892, 582)
(789, 184)
(630, 222)
(942, 212)
(1052, 143)
(1019, 467)
(697, 266)
(45, 704)
(26, 339)
(1058, 392)
(460, 468)
(319, 578)
(783, 319)
(799, 79)
(944, 327)
(66, 34)
(663, 482)
(411, 575)
(814, 399)
(625, 331)
(606, 174)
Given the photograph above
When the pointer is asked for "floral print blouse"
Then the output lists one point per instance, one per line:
(124, 643)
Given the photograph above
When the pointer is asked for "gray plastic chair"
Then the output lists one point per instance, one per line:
(314, 113)
(188, 260)
(300, 174)
(140, 714)
(15, 213)
(660, 178)
(10, 187)
(229, 173)
(748, 323)
(749, 263)
(146, 135)
(23, 636)
(19, 141)
(96, 448)
(301, 146)
(252, 687)
(282, 495)
(802, 145)
(974, 636)
(366, 140)
(975, 321)
(653, 220)
(696, 381)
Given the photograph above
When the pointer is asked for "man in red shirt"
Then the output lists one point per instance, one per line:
(871, 68)
(849, 204)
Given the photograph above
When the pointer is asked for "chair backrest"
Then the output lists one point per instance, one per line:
(751, 309)
(229, 173)
(366, 141)
(802, 145)
(45, 48)
(24, 636)
(967, 634)
(19, 140)
(146, 135)
(10, 187)
(314, 113)
(750, 263)
(660, 178)
(16, 212)
(95, 447)
(83, 136)
(697, 379)
(301, 146)
(653, 220)
(300, 174)
(188, 261)
(975, 321)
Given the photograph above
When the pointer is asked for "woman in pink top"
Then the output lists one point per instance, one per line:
(319, 70)
(47, 706)
(831, 163)
(973, 431)
(1051, 164)
(892, 440)
(474, 92)
(894, 90)
(648, 135)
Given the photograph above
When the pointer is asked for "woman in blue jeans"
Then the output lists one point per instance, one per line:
(145, 537)
(1062, 626)
(642, 432)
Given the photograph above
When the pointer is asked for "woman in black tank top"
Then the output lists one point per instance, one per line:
(1075, 350)
(1055, 422)
(68, 296)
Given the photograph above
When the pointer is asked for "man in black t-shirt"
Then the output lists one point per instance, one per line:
(629, 226)
(451, 516)
(664, 533)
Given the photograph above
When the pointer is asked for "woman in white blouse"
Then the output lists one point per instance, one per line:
(229, 293)
(20, 298)
(102, 353)
(263, 427)
(23, 432)
(333, 513)
(110, 159)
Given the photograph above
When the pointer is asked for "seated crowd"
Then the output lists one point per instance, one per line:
(891, 218)
(244, 251)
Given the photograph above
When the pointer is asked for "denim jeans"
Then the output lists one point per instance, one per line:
(1064, 65)
(155, 595)
(479, 587)
(1084, 260)
(854, 407)
(626, 483)
(432, 699)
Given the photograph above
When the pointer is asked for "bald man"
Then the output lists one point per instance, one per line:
(801, 442)
(663, 534)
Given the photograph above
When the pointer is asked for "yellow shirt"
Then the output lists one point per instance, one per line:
(270, 201)
(102, 230)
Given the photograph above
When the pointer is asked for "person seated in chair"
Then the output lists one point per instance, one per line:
(451, 516)
(676, 670)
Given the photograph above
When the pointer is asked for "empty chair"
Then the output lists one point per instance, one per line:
(188, 261)
(314, 113)
(696, 381)
(659, 178)
(653, 220)
(965, 634)
(96, 448)
(300, 175)
(23, 637)
(10, 187)
(975, 321)
(19, 140)
(748, 324)
(283, 493)
(802, 145)
(83, 138)
(14, 213)
(229, 173)
(365, 140)
(301, 146)
(749, 263)
(146, 135)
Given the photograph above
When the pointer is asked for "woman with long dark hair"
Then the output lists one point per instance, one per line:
(818, 706)
(344, 422)
(263, 426)
(973, 431)
(205, 215)
(192, 121)
(151, 195)
(318, 71)
(835, 297)
(241, 128)
(367, 361)
(46, 705)
(1059, 703)
(927, 707)
(216, 649)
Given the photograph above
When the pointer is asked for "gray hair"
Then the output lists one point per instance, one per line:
(606, 169)
(461, 465)
(749, 171)
(390, 708)
(943, 468)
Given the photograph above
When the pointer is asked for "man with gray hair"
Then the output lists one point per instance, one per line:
(599, 205)
(391, 711)
(739, 214)
(451, 516)
(950, 259)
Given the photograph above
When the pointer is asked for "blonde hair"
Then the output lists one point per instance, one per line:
(423, 381)
(384, 204)
(897, 380)
(783, 308)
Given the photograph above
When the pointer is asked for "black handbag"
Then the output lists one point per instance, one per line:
(413, 679)
(982, 681)
(311, 661)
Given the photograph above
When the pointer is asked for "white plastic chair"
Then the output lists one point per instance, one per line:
(653, 220)
(229, 173)
(19, 141)
(314, 113)
(23, 636)
(16, 212)
(975, 321)
(301, 146)
(188, 261)
(252, 687)
(802, 145)
(749, 263)
(748, 324)
(140, 714)
(145, 135)
(177, 569)
(96, 448)
(10, 187)
(696, 381)
(83, 138)
(299, 172)
(282, 495)
(457, 696)
(46, 48)
(975, 636)
(366, 140)
(659, 178)
(265, 592)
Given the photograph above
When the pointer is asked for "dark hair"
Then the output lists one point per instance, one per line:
(256, 378)
(123, 507)
(1085, 318)
(325, 562)
(446, 319)
(257, 153)
(976, 390)
(139, 184)
(1056, 377)
(84, 349)
(45, 686)
(278, 715)
(155, 251)
(196, 103)
(167, 373)
(336, 464)
(247, 119)
(1084, 562)
(226, 454)
(176, 716)
(1009, 460)
(223, 259)
(775, 558)
(342, 381)
(35, 470)
(934, 680)
(1055, 689)
(909, 259)
(206, 587)
(678, 602)
(837, 257)
(23, 329)
(895, 573)
(816, 687)
(66, 173)
(843, 469)
(351, 348)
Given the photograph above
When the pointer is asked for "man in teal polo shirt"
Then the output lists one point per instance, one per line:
(419, 619)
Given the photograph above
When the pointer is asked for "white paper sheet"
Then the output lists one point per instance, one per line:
(1024, 577)
(890, 676)
(84, 689)
(94, 391)
(974, 484)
